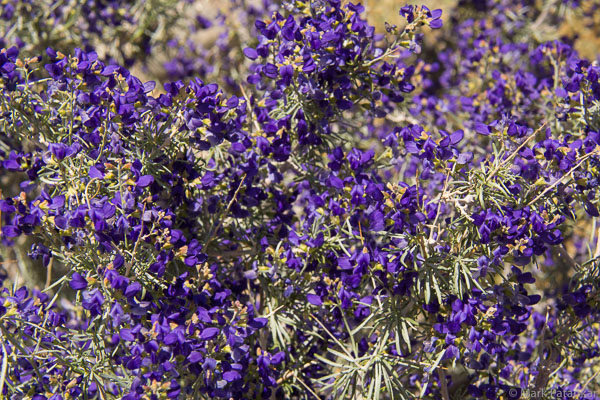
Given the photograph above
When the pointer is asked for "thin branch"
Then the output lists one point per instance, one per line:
(514, 153)
(49, 273)
(233, 199)
(444, 384)
(565, 176)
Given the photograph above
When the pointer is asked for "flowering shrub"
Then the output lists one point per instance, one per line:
(350, 214)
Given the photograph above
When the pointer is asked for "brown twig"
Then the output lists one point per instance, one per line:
(565, 176)
(137, 242)
(291, 373)
(249, 108)
(597, 250)
(585, 385)
(233, 199)
(514, 153)
(439, 207)
(308, 388)
(444, 385)
(49, 273)
(362, 240)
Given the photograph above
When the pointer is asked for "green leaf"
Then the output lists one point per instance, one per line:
(405, 335)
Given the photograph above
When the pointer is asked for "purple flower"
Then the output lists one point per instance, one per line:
(93, 301)
(250, 53)
(209, 333)
(144, 181)
(482, 128)
(231, 376)
(314, 299)
(78, 282)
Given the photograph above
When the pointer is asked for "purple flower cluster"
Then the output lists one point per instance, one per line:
(132, 26)
(352, 215)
